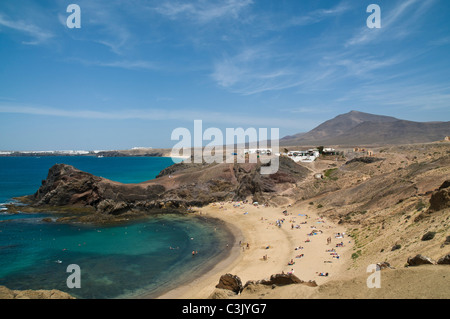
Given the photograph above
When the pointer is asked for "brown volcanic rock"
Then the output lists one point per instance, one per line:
(178, 187)
(420, 260)
(234, 284)
(6, 293)
(444, 260)
(68, 186)
(230, 282)
(285, 279)
(281, 280)
(440, 199)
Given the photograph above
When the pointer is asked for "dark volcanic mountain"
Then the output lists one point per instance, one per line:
(358, 128)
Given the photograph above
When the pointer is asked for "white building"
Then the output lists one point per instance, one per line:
(262, 151)
(304, 156)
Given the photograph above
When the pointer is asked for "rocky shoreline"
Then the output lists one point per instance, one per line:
(6, 293)
(84, 197)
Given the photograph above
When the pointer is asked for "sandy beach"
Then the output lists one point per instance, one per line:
(268, 239)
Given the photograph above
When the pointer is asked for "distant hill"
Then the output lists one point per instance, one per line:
(358, 128)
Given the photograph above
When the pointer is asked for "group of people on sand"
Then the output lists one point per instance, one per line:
(279, 222)
(244, 245)
(315, 232)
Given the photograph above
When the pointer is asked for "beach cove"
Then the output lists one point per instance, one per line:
(119, 260)
(268, 239)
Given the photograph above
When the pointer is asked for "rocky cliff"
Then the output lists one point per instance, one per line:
(177, 187)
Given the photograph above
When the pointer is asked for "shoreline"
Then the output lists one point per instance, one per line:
(230, 257)
(256, 225)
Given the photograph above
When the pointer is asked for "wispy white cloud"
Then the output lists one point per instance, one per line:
(37, 34)
(107, 23)
(121, 64)
(253, 71)
(401, 96)
(316, 109)
(250, 72)
(328, 61)
(319, 15)
(203, 11)
(441, 41)
(153, 114)
(131, 65)
(396, 23)
(361, 66)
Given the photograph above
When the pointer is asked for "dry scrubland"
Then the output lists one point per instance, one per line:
(384, 204)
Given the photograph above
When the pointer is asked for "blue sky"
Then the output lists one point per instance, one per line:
(136, 69)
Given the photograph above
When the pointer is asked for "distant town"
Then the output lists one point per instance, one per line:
(68, 152)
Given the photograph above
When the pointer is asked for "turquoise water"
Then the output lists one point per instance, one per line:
(23, 175)
(150, 255)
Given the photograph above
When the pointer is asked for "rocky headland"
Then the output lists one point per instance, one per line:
(88, 198)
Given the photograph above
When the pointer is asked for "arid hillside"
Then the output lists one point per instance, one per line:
(385, 199)
(395, 205)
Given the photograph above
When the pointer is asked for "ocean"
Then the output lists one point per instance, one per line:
(143, 257)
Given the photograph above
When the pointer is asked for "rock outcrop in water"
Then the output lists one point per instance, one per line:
(177, 187)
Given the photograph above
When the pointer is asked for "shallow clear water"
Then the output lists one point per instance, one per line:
(115, 261)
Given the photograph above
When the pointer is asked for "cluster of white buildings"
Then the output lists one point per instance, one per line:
(307, 156)
(261, 151)
(297, 156)
(69, 152)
